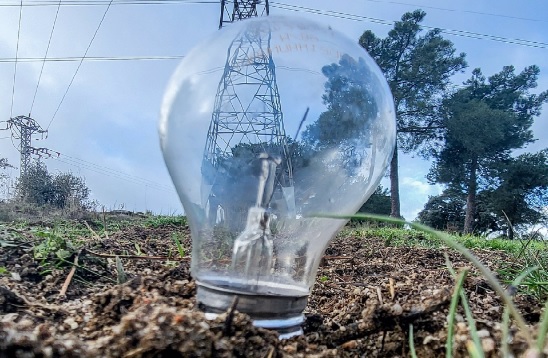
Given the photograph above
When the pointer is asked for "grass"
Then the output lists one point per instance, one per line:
(526, 253)
(438, 239)
(55, 240)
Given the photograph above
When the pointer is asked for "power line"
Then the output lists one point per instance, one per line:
(80, 64)
(88, 58)
(16, 55)
(457, 10)
(45, 56)
(461, 33)
(80, 163)
(38, 3)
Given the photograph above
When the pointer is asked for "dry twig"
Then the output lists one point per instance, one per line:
(64, 289)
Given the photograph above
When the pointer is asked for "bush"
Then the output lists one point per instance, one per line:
(61, 191)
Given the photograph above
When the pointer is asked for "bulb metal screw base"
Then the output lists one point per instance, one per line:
(283, 314)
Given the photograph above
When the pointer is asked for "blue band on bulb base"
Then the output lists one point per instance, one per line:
(283, 314)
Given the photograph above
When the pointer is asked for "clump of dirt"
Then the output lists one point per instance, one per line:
(366, 298)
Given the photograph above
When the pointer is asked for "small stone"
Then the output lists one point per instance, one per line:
(71, 323)
(26, 324)
(483, 333)
(428, 339)
(488, 345)
(291, 349)
(15, 276)
(461, 327)
(397, 310)
(353, 344)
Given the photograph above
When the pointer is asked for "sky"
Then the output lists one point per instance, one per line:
(106, 126)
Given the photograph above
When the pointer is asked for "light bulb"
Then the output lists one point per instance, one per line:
(266, 123)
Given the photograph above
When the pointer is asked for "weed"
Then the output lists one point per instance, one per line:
(180, 248)
(52, 245)
(324, 279)
(157, 221)
(138, 251)
(3, 270)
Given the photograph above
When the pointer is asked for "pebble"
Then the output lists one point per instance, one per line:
(15, 276)
(353, 344)
(397, 310)
(488, 344)
(71, 323)
(483, 333)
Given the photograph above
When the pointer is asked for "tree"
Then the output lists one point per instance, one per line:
(522, 196)
(444, 211)
(350, 105)
(417, 68)
(447, 212)
(484, 122)
(378, 203)
(38, 187)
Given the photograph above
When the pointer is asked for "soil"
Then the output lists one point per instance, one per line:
(365, 298)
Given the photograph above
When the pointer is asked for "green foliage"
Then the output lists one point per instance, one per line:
(63, 190)
(180, 248)
(484, 122)
(444, 212)
(350, 104)
(3, 270)
(161, 220)
(378, 203)
(418, 67)
(53, 248)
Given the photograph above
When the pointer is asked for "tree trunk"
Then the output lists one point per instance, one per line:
(394, 186)
(471, 198)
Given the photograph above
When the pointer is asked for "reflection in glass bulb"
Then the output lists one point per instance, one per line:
(270, 121)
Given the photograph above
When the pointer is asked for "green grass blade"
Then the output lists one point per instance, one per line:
(412, 343)
(180, 247)
(478, 350)
(505, 333)
(458, 247)
(452, 314)
(543, 329)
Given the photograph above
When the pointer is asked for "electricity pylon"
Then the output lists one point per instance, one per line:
(235, 10)
(23, 128)
(247, 112)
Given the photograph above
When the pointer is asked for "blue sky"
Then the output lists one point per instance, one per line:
(106, 127)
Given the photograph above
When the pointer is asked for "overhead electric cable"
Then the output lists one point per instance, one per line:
(461, 33)
(88, 58)
(458, 10)
(16, 55)
(45, 56)
(36, 3)
(80, 64)
(114, 174)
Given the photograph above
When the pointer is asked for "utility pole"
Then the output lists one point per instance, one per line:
(23, 128)
(247, 110)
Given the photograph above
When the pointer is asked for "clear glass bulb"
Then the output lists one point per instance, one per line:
(266, 124)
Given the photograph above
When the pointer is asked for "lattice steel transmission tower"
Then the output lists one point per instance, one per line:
(235, 10)
(23, 128)
(247, 112)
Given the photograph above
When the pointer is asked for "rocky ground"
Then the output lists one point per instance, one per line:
(365, 298)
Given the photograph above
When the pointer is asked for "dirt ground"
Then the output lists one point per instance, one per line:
(364, 300)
